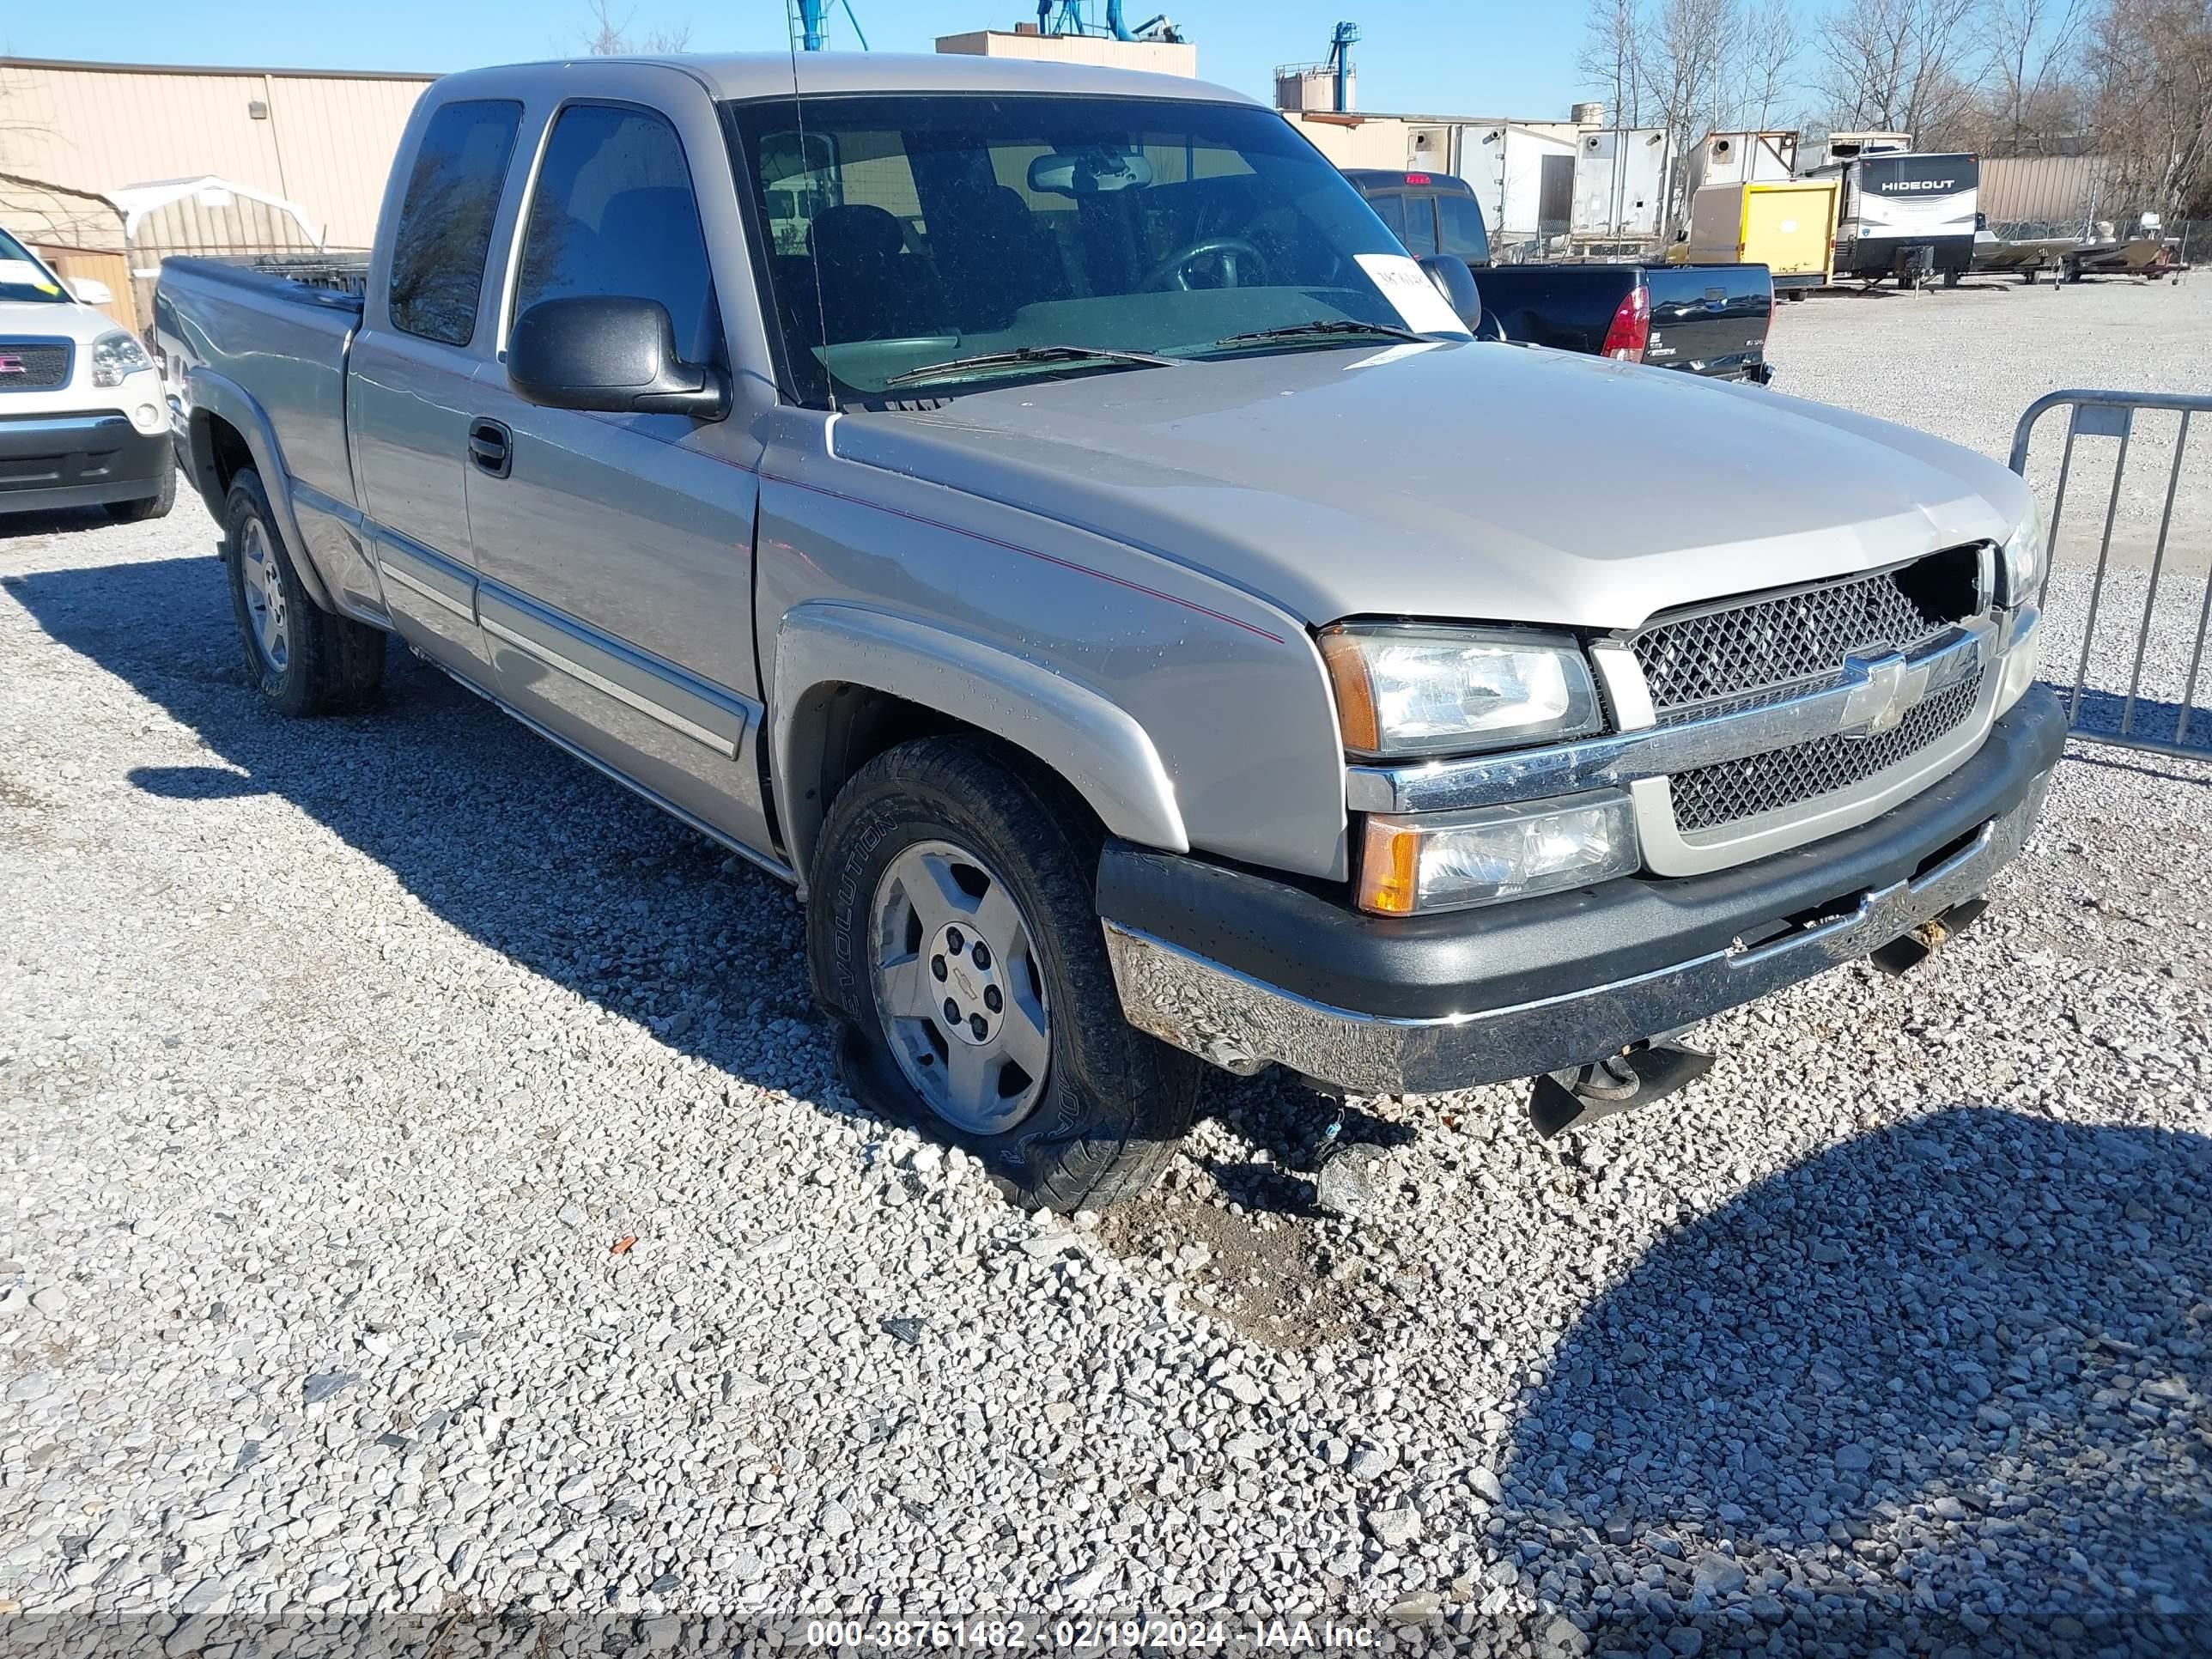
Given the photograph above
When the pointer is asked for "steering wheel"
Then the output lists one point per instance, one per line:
(1171, 271)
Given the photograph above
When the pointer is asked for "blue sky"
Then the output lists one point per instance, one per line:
(1451, 56)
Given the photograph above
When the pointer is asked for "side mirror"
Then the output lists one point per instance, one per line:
(88, 290)
(610, 353)
(1456, 282)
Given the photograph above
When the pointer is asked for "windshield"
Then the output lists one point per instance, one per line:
(23, 277)
(962, 225)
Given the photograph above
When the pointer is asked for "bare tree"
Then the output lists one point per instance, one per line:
(1611, 59)
(18, 133)
(2034, 51)
(1766, 58)
(2153, 64)
(1688, 51)
(606, 37)
(1901, 65)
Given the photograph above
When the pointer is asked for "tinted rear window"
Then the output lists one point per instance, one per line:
(1461, 221)
(445, 217)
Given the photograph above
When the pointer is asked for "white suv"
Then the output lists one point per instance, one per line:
(83, 422)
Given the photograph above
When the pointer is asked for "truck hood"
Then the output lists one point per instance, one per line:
(1480, 482)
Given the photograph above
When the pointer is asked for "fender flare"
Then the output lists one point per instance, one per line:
(1096, 745)
(213, 395)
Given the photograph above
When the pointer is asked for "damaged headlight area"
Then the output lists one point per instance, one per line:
(2023, 561)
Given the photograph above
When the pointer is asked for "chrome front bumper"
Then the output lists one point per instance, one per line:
(1241, 1023)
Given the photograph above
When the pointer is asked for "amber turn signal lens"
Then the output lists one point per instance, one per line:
(1390, 869)
(1355, 691)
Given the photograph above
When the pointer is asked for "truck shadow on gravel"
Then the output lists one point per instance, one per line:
(501, 834)
(1964, 1358)
(492, 829)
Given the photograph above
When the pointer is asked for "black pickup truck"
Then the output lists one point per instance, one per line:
(1708, 319)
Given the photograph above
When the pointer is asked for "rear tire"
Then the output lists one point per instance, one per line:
(155, 506)
(932, 848)
(305, 661)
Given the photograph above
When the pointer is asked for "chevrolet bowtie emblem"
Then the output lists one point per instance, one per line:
(1884, 690)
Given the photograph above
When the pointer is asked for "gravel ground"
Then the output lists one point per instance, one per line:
(1965, 362)
(429, 1216)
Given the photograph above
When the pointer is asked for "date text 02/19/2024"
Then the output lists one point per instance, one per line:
(1087, 1636)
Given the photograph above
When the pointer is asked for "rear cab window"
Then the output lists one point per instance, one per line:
(445, 226)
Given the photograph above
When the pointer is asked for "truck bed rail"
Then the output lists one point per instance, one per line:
(334, 282)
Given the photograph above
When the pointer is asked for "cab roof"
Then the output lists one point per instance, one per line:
(738, 76)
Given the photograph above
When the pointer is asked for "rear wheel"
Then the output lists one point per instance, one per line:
(306, 660)
(953, 933)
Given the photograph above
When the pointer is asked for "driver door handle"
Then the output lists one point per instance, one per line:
(491, 447)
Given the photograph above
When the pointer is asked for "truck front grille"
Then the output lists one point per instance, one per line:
(1724, 653)
(1712, 797)
(34, 366)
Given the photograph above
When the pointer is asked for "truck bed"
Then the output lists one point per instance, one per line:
(219, 317)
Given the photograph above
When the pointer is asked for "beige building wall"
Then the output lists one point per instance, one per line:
(1354, 141)
(326, 143)
(1099, 52)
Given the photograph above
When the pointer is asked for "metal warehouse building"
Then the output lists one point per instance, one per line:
(319, 139)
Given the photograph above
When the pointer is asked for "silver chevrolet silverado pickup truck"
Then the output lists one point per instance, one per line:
(1044, 516)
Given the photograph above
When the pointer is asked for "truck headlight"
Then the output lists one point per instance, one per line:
(2022, 562)
(1417, 690)
(1448, 860)
(116, 355)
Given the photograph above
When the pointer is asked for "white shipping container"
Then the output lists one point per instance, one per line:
(1620, 183)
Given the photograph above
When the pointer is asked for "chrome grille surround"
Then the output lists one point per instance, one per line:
(35, 365)
(1770, 650)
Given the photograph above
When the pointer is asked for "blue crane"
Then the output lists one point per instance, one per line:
(1067, 18)
(810, 20)
(1339, 62)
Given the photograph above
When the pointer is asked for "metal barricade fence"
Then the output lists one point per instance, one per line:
(2115, 415)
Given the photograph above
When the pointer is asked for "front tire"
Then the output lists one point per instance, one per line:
(155, 506)
(305, 661)
(953, 935)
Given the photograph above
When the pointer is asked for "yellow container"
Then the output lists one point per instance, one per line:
(1787, 225)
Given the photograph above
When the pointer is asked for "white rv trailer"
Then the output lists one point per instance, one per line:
(1905, 214)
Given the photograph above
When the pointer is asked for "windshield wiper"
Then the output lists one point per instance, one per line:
(1328, 328)
(1022, 356)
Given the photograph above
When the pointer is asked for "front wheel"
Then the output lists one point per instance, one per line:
(155, 506)
(953, 934)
